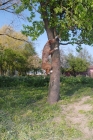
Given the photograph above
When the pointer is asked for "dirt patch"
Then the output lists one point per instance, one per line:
(79, 120)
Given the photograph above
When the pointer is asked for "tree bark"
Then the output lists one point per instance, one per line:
(54, 84)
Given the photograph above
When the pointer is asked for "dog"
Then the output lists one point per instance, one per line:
(45, 55)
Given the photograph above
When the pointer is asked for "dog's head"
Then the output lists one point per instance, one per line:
(51, 41)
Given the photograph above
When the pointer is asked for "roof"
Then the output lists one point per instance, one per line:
(91, 67)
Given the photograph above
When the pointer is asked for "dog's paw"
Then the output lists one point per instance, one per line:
(51, 71)
(56, 48)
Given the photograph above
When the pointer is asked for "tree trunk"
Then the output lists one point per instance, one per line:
(54, 84)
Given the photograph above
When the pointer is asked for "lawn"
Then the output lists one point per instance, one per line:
(26, 115)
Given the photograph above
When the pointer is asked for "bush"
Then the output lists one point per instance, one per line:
(32, 81)
(76, 80)
(39, 81)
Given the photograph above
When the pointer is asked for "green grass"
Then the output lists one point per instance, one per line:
(90, 124)
(26, 115)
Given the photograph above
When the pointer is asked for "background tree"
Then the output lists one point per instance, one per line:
(29, 50)
(71, 19)
(13, 60)
(84, 54)
(34, 63)
(76, 65)
(75, 58)
(14, 53)
(10, 38)
(7, 5)
(1, 59)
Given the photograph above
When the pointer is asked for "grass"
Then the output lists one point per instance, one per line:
(90, 124)
(25, 114)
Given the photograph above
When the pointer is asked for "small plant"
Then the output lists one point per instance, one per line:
(90, 124)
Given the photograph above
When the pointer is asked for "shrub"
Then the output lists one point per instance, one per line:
(40, 81)
(32, 81)
(76, 80)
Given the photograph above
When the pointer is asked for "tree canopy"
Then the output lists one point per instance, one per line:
(76, 64)
(14, 54)
(72, 20)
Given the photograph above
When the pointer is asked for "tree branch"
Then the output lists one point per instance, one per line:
(8, 4)
(34, 8)
(8, 11)
(5, 2)
(16, 38)
(77, 42)
(65, 43)
(5, 8)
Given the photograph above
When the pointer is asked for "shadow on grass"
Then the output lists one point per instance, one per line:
(20, 97)
(69, 90)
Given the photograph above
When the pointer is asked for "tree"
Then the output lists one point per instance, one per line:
(76, 64)
(10, 37)
(63, 62)
(29, 50)
(14, 53)
(1, 59)
(84, 54)
(72, 20)
(7, 5)
(34, 63)
(14, 61)
(16, 40)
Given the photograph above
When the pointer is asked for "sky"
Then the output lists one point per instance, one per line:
(16, 23)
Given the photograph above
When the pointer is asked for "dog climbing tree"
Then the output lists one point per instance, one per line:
(72, 20)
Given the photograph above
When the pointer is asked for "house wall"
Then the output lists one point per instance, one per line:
(90, 72)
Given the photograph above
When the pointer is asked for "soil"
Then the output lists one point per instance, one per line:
(76, 114)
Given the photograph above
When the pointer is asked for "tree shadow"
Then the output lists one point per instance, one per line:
(75, 89)
(18, 98)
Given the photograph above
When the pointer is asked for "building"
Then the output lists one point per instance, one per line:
(90, 71)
